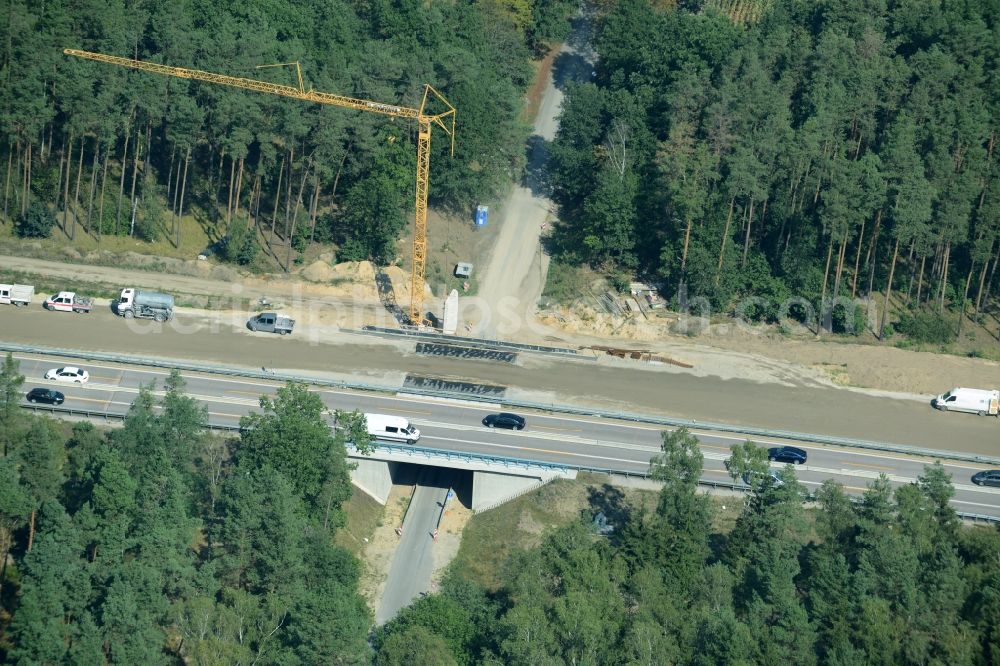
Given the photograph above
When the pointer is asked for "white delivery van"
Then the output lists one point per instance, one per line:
(393, 428)
(975, 401)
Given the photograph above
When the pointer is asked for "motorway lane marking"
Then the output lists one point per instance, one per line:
(412, 411)
(535, 450)
(89, 400)
(253, 393)
(555, 428)
(990, 506)
(881, 467)
(225, 414)
(130, 389)
(105, 377)
(95, 364)
(832, 447)
(550, 436)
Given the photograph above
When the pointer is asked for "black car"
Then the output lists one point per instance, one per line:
(48, 396)
(787, 454)
(504, 420)
(988, 477)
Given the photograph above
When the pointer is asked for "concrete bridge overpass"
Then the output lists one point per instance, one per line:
(495, 480)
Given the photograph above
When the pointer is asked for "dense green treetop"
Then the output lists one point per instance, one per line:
(787, 148)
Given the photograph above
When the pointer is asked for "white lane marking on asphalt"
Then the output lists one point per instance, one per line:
(135, 389)
(589, 441)
(957, 464)
(94, 364)
(988, 506)
(528, 448)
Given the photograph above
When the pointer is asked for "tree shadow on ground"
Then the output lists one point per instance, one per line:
(536, 170)
(570, 68)
(387, 295)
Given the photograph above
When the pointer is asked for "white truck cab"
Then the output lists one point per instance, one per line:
(144, 304)
(392, 428)
(68, 301)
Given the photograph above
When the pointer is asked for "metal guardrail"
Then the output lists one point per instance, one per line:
(502, 460)
(504, 402)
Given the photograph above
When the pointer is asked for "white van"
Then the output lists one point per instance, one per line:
(975, 401)
(394, 428)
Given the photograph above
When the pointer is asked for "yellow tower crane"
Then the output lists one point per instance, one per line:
(425, 121)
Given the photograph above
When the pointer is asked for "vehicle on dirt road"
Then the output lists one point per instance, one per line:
(974, 401)
(68, 373)
(16, 294)
(68, 301)
(271, 322)
(145, 305)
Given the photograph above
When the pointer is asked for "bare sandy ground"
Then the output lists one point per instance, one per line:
(760, 353)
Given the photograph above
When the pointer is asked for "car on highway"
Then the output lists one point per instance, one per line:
(48, 396)
(787, 454)
(756, 478)
(68, 374)
(504, 420)
(988, 477)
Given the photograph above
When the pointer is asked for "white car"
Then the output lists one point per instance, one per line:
(68, 374)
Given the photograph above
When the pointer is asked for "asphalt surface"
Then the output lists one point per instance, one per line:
(456, 426)
(626, 386)
(413, 559)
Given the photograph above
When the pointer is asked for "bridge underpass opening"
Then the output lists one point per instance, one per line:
(476, 486)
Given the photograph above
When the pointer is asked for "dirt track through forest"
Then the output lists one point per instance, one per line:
(515, 273)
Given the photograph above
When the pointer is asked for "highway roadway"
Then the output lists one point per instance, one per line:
(631, 386)
(448, 424)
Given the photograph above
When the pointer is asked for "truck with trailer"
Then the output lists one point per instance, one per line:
(271, 322)
(16, 294)
(145, 305)
(68, 301)
(984, 402)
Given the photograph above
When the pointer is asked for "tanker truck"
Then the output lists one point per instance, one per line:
(144, 304)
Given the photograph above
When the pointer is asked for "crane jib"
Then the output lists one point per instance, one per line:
(423, 137)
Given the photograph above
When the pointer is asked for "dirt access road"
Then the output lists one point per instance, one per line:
(514, 276)
(173, 282)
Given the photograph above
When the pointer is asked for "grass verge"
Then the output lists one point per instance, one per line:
(364, 515)
(565, 283)
(492, 537)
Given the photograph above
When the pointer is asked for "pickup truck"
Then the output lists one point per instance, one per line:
(68, 301)
(16, 294)
(271, 322)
